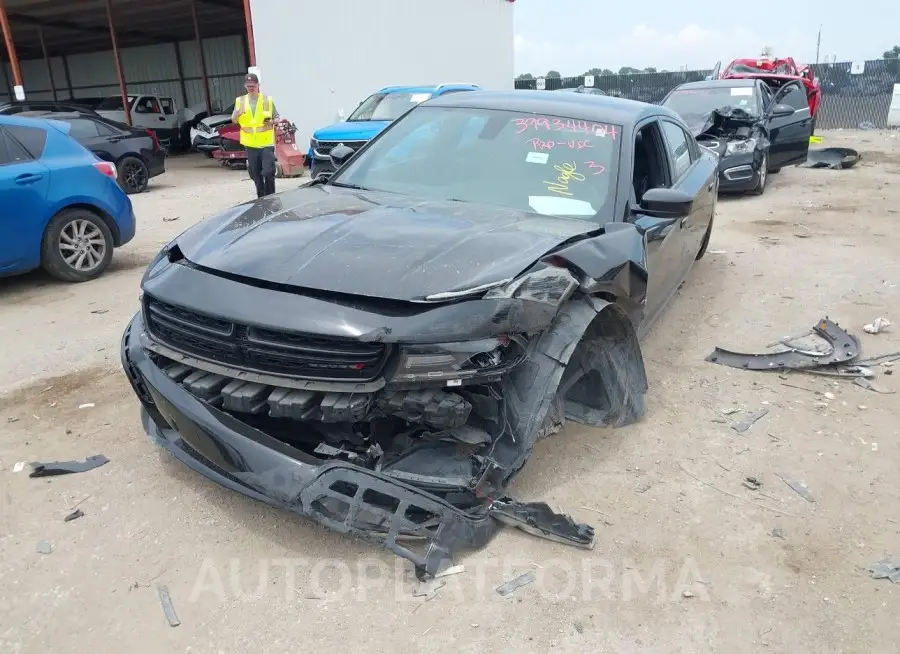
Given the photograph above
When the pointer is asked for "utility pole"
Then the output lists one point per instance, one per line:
(818, 43)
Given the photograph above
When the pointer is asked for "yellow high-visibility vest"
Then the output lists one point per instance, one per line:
(254, 134)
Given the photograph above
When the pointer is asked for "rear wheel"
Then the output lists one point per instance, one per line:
(133, 175)
(77, 246)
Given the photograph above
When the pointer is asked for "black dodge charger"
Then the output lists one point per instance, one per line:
(381, 350)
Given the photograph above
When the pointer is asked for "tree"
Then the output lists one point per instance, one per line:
(553, 74)
(628, 70)
(525, 76)
(650, 69)
(893, 53)
(597, 72)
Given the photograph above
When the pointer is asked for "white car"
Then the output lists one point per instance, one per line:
(204, 136)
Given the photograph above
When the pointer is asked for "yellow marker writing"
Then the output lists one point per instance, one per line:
(567, 172)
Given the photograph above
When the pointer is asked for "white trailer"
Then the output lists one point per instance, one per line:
(319, 60)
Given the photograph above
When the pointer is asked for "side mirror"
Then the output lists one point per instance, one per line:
(340, 154)
(666, 203)
(782, 110)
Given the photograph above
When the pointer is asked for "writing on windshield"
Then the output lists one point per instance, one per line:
(562, 125)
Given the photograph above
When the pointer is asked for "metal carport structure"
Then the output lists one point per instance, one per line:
(82, 46)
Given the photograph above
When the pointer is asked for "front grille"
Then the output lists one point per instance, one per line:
(324, 148)
(264, 350)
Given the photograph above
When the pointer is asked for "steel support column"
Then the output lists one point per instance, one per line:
(179, 65)
(115, 45)
(47, 61)
(68, 75)
(251, 45)
(202, 57)
(10, 46)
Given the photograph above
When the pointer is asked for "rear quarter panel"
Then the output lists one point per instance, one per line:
(76, 183)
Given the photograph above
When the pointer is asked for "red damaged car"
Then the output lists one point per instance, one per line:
(775, 72)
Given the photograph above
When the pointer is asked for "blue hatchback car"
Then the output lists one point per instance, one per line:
(60, 206)
(372, 115)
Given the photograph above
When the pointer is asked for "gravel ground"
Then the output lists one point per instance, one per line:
(679, 566)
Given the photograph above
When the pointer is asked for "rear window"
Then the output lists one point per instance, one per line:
(11, 151)
(82, 128)
(32, 139)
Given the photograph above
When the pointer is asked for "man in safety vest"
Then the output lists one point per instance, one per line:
(256, 115)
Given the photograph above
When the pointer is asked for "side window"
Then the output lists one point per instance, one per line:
(795, 97)
(105, 130)
(677, 145)
(650, 170)
(32, 139)
(167, 106)
(83, 128)
(11, 152)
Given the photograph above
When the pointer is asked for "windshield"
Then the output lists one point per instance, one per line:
(114, 103)
(387, 106)
(695, 105)
(747, 69)
(551, 165)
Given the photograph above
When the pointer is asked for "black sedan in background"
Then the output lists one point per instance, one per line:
(753, 128)
(135, 151)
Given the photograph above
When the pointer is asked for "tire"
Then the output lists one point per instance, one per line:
(94, 248)
(812, 129)
(133, 175)
(763, 176)
(774, 171)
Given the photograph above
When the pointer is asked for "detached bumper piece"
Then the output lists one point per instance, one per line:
(834, 348)
(211, 423)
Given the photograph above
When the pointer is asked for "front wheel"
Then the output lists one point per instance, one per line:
(763, 176)
(133, 175)
(77, 246)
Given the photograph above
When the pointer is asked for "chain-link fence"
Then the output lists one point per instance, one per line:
(852, 93)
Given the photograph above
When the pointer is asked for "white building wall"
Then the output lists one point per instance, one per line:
(315, 65)
(147, 69)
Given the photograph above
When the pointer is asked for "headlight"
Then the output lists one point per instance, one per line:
(313, 143)
(740, 147)
(203, 127)
(454, 362)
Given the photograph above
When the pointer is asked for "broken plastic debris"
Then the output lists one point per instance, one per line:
(869, 385)
(77, 513)
(778, 532)
(538, 519)
(798, 487)
(877, 326)
(454, 570)
(43, 547)
(66, 467)
(19, 466)
(168, 609)
(746, 423)
(886, 568)
(89, 405)
(514, 584)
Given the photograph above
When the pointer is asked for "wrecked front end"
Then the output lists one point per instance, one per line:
(400, 422)
(740, 142)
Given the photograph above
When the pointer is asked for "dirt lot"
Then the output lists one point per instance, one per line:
(679, 565)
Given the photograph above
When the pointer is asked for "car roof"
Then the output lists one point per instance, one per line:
(582, 106)
(18, 119)
(425, 89)
(728, 83)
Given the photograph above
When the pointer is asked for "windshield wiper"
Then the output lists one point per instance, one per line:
(354, 186)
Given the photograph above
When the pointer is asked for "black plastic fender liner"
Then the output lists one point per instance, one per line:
(530, 390)
(836, 158)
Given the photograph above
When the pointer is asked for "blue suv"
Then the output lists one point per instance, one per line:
(372, 115)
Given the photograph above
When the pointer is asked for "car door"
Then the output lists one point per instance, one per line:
(651, 168)
(24, 182)
(697, 176)
(170, 115)
(789, 135)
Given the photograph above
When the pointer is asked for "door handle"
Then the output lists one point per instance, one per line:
(28, 178)
(161, 118)
(683, 221)
(711, 187)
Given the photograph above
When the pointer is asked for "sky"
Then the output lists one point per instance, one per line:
(572, 36)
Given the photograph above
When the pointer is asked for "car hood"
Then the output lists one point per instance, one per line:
(373, 244)
(351, 131)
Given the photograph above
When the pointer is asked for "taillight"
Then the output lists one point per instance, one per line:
(156, 145)
(107, 168)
